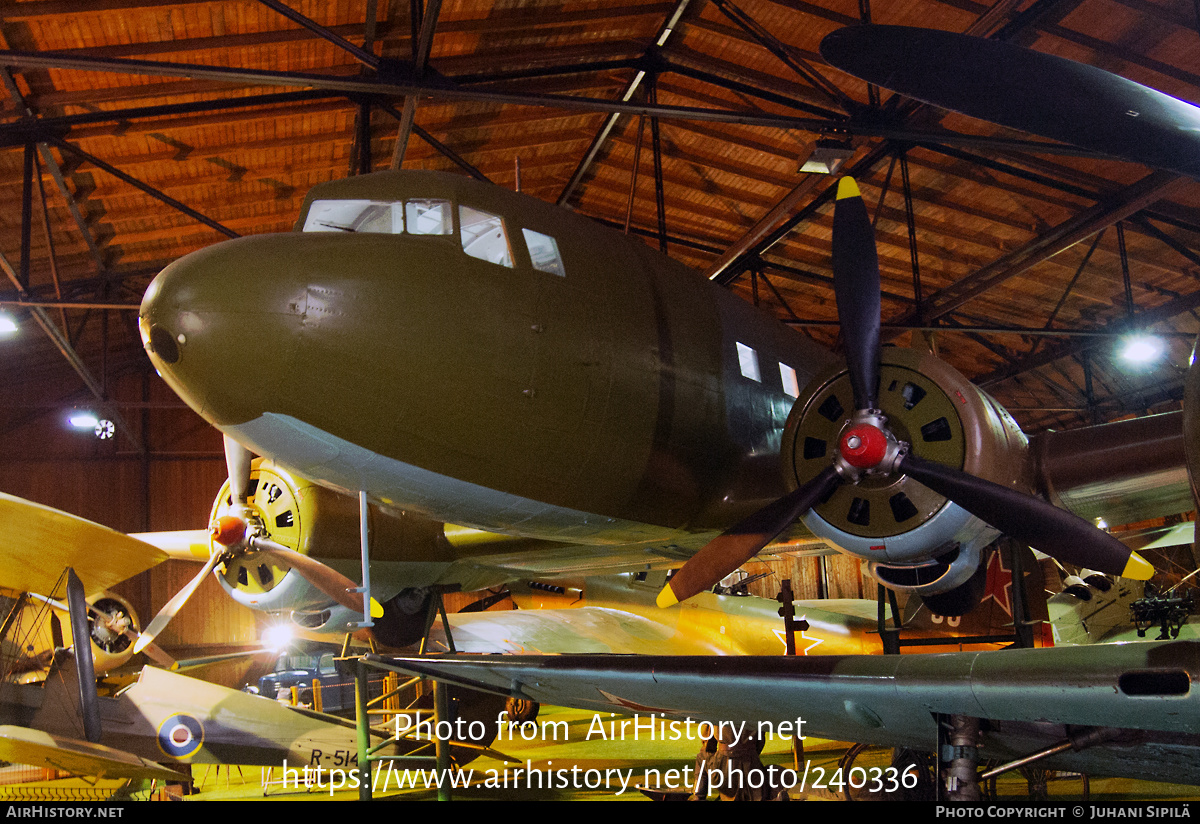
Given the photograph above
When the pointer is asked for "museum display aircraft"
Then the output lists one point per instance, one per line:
(575, 402)
(163, 716)
(1115, 709)
(455, 353)
(617, 614)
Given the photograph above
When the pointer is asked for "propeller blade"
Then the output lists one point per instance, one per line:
(1031, 520)
(1037, 93)
(153, 651)
(174, 605)
(237, 464)
(856, 286)
(325, 578)
(741, 542)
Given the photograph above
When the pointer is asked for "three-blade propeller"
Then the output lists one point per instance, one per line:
(236, 533)
(866, 445)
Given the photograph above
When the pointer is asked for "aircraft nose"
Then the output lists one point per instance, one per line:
(216, 323)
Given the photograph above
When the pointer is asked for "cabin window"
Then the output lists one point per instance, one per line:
(368, 216)
(543, 251)
(429, 217)
(788, 375)
(748, 361)
(483, 236)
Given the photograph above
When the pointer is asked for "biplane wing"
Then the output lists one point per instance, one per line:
(22, 745)
(40, 542)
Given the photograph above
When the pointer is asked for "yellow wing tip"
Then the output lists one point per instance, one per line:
(376, 609)
(1138, 568)
(847, 187)
(666, 598)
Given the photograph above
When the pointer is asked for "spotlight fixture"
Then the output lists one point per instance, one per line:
(1141, 349)
(827, 156)
(83, 420)
(277, 637)
(8, 326)
(105, 429)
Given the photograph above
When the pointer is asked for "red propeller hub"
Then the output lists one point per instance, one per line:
(863, 446)
(227, 530)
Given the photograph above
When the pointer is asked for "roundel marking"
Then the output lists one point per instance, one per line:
(180, 736)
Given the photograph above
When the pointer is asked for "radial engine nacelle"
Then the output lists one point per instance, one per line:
(323, 524)
(112, 625)
(915, 539)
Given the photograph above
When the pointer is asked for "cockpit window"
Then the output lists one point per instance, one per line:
(429, 217)
(483, 236)
(423, 217)
(543, 251)
(355, 216)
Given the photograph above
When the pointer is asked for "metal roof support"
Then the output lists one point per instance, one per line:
(64, 346)
(361, 55)
(633, 171)
(883, 192)
(659, 199)
(52, 259)
(762, 237)
(145, 187)
(676, 67)
(610, 122)
(785, 54)
(1071, 285)
(1130, 200)
(1144, 320)
(438, 146)
(360, 153)
(910, 219)
(26, 217)
(1143, 221)
(424, 21)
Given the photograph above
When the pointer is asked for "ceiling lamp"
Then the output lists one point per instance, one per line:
(827, 156)
(8, 326)
(83, 420)
(1141, 349)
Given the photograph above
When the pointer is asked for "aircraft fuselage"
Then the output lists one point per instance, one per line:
(427, 344)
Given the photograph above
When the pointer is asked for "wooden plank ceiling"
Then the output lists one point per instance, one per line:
(157, 128)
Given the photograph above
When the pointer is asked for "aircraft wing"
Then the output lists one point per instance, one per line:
(40, 542)
(1142, 691)
(579, 630)
(22, 745)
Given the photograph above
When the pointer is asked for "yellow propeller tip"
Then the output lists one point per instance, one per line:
(376, 609)
(667, 598)
(847, 188)
(1137, 568)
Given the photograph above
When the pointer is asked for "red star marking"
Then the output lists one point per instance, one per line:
(999, 584)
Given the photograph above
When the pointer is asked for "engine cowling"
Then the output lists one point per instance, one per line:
(915, 540)
(302, 516)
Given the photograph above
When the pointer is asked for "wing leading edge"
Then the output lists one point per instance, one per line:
(1143, 692)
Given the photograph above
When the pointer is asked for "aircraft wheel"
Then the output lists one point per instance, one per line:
(522, 710)
(403, 620)
(963, 598)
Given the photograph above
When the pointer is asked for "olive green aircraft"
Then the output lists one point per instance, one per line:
(573, 402)
(1127, 709)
